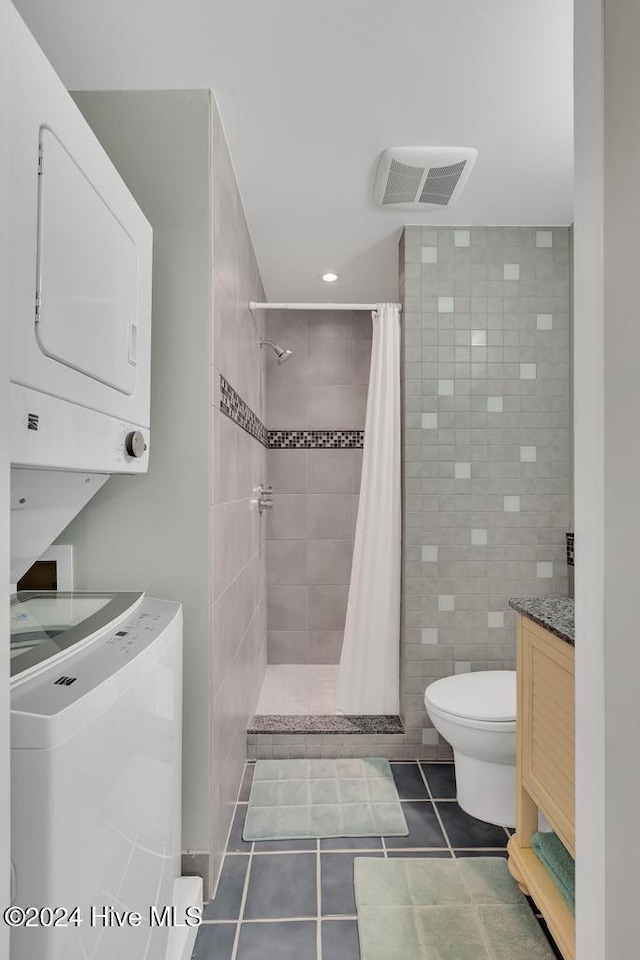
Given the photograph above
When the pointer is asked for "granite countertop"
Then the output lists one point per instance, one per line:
(555, 614)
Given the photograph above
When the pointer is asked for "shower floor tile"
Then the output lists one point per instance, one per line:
(298, 689)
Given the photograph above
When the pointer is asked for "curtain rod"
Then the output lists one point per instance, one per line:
(315, 306)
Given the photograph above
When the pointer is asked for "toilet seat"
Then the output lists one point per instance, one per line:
(476, 714)
(486, 697)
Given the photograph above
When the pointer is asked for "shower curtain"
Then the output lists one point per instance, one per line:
(368, 677)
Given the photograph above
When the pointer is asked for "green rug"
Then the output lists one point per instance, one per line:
(292, 799)
(467, 909)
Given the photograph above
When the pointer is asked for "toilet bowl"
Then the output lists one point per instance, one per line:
(476, 714)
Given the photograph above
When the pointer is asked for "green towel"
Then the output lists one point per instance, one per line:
(559, 863)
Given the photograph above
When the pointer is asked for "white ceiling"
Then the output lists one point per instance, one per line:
(310, 94)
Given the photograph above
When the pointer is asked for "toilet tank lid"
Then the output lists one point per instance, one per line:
(486, 695)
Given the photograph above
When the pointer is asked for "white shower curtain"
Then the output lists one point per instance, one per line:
(368, 677)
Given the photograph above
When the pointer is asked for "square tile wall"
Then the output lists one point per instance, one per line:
(486, 445)
(310, 529)
(238, 532)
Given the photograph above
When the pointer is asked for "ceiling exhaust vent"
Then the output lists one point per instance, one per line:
(422, 178)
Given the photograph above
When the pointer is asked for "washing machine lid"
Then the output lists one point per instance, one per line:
(44, 623)
(487, 695)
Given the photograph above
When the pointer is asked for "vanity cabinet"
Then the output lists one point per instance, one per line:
(544, 769)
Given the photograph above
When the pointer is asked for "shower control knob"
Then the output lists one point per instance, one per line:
(264, 497)
(134, 444)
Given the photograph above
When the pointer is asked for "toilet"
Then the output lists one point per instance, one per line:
(476, 714)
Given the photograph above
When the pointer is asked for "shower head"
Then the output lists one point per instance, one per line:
(281, 352)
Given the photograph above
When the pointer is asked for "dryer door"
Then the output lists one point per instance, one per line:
(87, 292)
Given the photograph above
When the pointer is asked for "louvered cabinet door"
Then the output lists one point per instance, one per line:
(547, 734)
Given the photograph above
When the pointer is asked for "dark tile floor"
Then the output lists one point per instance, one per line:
(294, 899)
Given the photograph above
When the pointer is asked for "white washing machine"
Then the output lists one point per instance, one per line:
(96, 729)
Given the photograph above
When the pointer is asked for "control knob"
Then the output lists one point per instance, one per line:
(134, 443)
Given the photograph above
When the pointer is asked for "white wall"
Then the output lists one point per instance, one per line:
(152, 533)
(622, 473)
(607, 472)
(589, 479)
(190, 529)
(4, 479)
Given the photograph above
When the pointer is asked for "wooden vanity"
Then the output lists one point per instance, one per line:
(545, 765)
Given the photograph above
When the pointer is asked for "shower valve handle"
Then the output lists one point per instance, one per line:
(265, 497)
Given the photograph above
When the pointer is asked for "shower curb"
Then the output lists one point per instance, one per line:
(326, 723)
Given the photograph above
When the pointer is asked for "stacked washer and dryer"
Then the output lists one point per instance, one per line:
(96, 678)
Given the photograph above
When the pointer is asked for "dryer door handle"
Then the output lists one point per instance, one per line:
(133, 343)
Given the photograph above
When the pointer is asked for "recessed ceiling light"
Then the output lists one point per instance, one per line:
(329, 277)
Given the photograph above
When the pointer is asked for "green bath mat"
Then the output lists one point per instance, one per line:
(467, 909)
(292, 799)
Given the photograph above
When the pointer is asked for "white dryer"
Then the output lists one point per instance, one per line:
(96, 723)
(81, 259)
(81, 262)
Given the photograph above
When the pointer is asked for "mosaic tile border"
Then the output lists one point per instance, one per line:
(316, 439)
(571, 549)
(234, 407)
(326, 723)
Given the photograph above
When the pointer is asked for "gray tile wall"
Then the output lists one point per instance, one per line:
(265, 746)
(310, 530)
(486, 447)
(238, 532)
